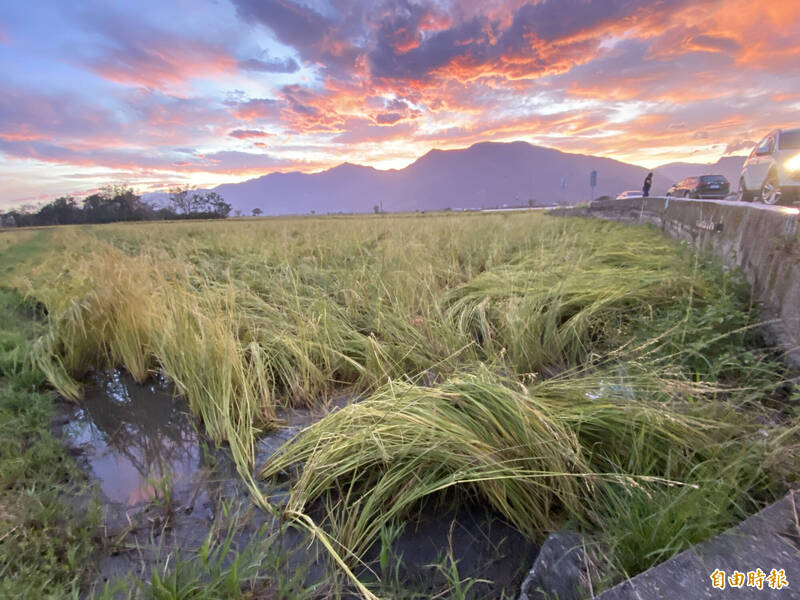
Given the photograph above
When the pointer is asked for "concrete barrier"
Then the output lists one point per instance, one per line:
(763, 242)
(766, 542)
(760, 240)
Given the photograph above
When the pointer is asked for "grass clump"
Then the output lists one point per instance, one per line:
(219, 569)
(45, 542)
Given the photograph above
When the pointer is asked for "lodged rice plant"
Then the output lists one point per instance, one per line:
(405, 442)
(553, 314)
(535, 452)
(583, 448)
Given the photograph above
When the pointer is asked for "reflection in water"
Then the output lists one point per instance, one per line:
(137, 440)
(136, 437)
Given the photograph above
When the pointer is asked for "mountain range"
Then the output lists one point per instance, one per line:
(485, 175)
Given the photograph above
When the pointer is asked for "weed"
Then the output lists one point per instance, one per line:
(162, 487)
(390, 561)
(457, 588)
(218, 569)
(46, 535)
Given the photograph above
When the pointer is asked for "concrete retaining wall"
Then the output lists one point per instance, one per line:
(761, 240)
(766, 541)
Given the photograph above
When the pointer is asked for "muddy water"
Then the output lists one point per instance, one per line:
(163, 488)
(161, 485)
(135, 440)
(138, 440)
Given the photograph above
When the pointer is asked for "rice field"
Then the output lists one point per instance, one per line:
(560, 371)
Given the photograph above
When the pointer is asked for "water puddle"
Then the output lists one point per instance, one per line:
(161, 485)
(138, 441)
(135, 439)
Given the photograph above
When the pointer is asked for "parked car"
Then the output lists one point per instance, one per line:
(702, 186)
(630, 194)
(772, 171)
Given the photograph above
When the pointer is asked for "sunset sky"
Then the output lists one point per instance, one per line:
(161, 92)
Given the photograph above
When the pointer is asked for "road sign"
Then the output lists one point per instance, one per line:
(592, 182)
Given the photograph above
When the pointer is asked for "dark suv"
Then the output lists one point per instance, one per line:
(703, 186)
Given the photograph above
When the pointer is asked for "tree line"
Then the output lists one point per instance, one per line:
(119, 203)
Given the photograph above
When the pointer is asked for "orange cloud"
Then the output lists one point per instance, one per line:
(19, 136)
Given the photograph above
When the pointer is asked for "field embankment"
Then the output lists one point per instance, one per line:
(46, 545)
(559, 371)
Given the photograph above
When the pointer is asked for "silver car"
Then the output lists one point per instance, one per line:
(772, 171)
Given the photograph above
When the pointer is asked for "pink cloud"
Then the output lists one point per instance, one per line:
(243, 134)
(256, 109)
(163, 64)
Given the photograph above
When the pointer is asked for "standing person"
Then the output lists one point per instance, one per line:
(648, 183)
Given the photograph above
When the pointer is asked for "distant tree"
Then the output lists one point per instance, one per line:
(257, 212)
(119, 203)
(24, 217)
(61, 211)
(8, 220)
(179, 200)
(115, 203)
(531, 202)
(196, 204)
(93, 206)
(219, 208)
(376, 209)
(128, 206)
(237, 213)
